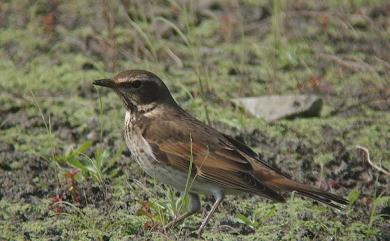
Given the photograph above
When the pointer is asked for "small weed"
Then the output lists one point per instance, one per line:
(353, 196)
(176, 205)
(71, 154)
(56, 204)
(90, 167)
(72, 184)
(321, 160)
(149, 210)
(256, 219)
(161, 211)
(379, 201)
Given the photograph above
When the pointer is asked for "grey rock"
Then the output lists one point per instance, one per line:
(275, 107)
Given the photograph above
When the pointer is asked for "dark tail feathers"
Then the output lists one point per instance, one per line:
(317, 194)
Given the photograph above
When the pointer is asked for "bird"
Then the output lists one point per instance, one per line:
(173, 147)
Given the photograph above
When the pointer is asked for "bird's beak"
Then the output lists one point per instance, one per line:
(105, 83)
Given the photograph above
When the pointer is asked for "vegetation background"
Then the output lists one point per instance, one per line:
(66, 175)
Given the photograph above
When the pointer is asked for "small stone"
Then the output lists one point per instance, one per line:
(275, 107)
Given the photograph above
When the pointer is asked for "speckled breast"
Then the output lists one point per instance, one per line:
(139, 148)
(143, 154)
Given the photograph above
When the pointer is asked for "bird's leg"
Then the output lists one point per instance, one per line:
(218, 199)
(194, 206)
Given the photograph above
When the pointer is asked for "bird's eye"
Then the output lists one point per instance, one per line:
(135, 84)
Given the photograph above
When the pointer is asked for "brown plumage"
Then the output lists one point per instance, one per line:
(166, 141)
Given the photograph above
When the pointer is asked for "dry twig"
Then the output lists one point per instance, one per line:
(367, 155)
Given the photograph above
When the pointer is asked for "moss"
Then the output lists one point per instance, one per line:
(46, 74)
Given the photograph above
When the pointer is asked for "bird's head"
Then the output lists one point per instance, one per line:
(139, 90)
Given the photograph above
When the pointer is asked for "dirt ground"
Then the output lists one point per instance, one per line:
(65, 173)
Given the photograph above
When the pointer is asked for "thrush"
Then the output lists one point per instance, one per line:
(171, 145)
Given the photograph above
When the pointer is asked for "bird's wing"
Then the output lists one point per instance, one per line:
(275, 180)
(212, 158)
(250, 154)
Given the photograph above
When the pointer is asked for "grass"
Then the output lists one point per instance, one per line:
(54, 121)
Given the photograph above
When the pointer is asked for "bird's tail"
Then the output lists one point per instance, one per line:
(285, 184)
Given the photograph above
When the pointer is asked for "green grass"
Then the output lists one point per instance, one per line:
(206, 56)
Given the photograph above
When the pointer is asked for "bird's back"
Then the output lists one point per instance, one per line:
(180, 140)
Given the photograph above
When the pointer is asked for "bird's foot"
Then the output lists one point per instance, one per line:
(199, 233)
(170, 225)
